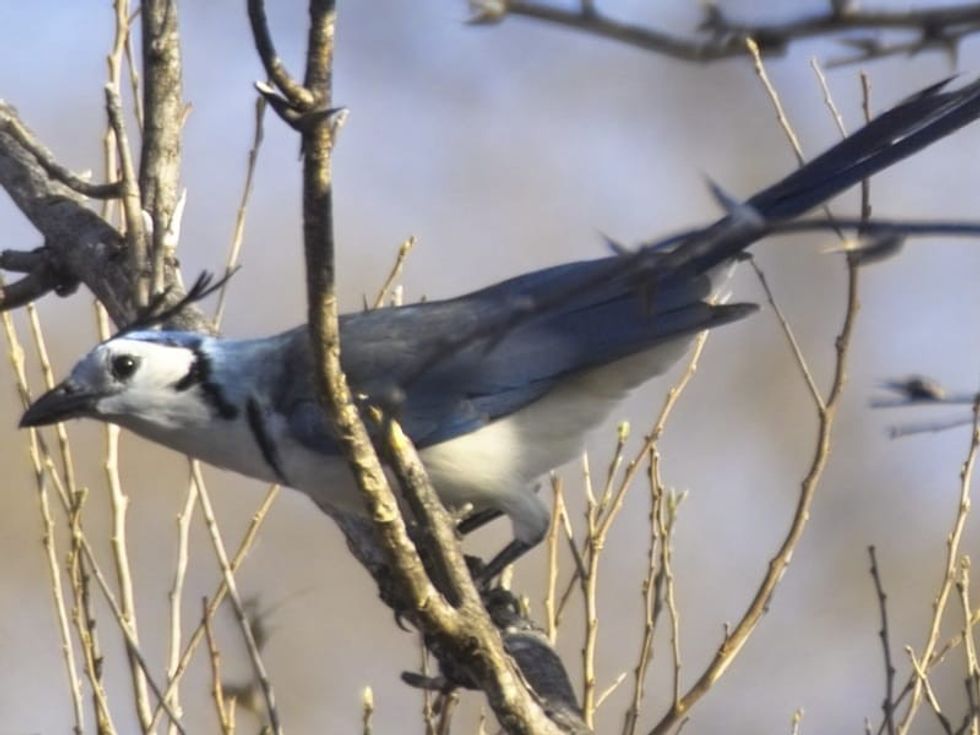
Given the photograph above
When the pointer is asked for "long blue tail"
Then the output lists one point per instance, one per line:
(903, 130)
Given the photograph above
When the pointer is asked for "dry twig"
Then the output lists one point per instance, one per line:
(718, 37)
(888, 705)
(921, 685)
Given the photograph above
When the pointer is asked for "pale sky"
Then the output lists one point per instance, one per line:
(505, 149)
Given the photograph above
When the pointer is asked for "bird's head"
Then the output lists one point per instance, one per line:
(151, 377)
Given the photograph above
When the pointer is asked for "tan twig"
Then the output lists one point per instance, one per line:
(15, 354)
(949, 573)
(609, 690)
(243, 548)
(551, 543)
(217, 690)
(667, 504)
(89, 556)
(738, 636)
(184, 518)
(797, 722)
(119, 503)
(73, 501)
(650, 591)
(589, 582)
(922, 680)
(828, 100)
(132, 68)
(784, 324)
(71, 504)
(777, 104)
(428, 710)
(251, 644)
(598, 522)
(64, 446)
(396, 270)
(239, 234)
(447, 707)
(972, 667)
(367, 710)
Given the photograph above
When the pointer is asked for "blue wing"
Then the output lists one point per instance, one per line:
(388, 353)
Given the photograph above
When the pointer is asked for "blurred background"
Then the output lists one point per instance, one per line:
(504, 149)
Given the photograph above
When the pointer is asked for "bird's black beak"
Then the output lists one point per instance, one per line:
(64, 401)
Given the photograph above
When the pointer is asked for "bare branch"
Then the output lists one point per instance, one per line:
(719, 37)
(295, 93)
(739, 635)
(27, 289)
(888, 705)
(164, 112)
(58, 172)
(949, 577)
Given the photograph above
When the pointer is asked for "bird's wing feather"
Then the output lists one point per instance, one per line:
(496, 374)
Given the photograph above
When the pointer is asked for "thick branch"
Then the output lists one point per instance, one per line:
(164, 111)
(80, 244)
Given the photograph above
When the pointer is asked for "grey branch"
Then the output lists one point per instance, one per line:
(81, 245)
(164, 113)
(719, 37)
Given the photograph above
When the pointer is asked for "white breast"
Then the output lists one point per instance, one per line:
(493, 467)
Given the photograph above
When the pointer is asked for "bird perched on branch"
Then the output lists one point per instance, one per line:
(496, 387)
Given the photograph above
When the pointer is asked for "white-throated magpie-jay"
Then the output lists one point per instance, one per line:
(490, 413)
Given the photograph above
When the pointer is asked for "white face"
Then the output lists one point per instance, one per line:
(140, 380)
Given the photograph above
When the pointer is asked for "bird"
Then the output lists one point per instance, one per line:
(495, 387)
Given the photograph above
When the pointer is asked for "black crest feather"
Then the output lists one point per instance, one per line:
(156, 312)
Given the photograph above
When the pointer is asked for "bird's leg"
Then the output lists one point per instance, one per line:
(493, 568)
(477, 519)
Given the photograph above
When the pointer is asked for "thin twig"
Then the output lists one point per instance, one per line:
(828, 98)
(941, 26)
(217, 690)
(609, 690)
(55, 170)
(218, 597)
(949, 573)
(239, 234)
(737, 637)
(251, 644)
(131, 199)
(184, 518)
(367, 710)
(551, 543)
(888, 705)
(403, 250)
(930, 695)
(119, 503)
(666, 505)
(15, 354)
(794, 344)
(972, 667)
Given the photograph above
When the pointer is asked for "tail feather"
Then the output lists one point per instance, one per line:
(907, 128)
(897, 133)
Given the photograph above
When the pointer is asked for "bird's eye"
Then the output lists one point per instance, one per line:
(123, 366)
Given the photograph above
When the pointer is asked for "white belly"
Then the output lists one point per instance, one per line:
(493, 467)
